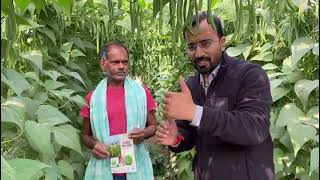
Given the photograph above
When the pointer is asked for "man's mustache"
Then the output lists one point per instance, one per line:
(199, 59)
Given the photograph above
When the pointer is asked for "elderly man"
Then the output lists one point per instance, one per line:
(118, 105)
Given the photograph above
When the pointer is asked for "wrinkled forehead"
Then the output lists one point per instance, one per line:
(117, 53)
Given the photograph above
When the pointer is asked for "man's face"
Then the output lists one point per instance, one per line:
(204, 49)
(116, 65)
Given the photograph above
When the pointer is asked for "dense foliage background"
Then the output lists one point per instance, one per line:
(49, 61)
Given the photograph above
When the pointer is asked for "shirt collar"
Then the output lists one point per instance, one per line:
(212, 75)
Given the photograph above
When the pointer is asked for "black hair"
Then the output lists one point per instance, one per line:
(106, 48)
(204, 16)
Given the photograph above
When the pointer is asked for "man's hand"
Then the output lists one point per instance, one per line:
(167, 132)
(137, 135)
(99, 151)
(179, 105)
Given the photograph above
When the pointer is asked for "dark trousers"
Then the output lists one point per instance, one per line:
(119, 177)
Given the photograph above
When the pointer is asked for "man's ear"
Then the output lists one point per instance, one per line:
(222, 42)
(102, 63)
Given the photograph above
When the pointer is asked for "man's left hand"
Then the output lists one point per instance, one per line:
(179, 105)
(137, 135)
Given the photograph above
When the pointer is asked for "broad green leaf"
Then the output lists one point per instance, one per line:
(313, 112)
(49, 33)
(316, 138)
(32, 75)
(67, 136)
(26, 168)
(88, 45)
(65, 5)
(265, 47)
(271, 30)
(52, 173)
(273, 117)
(41, 97)
(80, 101)
(315, 49)
(77, 76)
(31, 106)
(125, 22)
(7, 172)
(65, 55)
(278, 93)
(9, 115)
(277, 132)
(269, 66)
(312, 117)
(275, 83)
(266, 56)
(233, 51)
(289, 114)
(17, 104)
(74, 85)
(288, 158)
(314, 159)
(22, 5)
(80, 4)
(66, 169)
(277, 159)
(63, 69)
(39, 136)
(54, 75)
(301, 4)
(273, 75)
(286, 141)
(63, 93)
(245, 49)
(40, 6)
(76, 53)
(15, 80)
(4, 7)
(309, 121)
(304, 174)
(298, 139)
(303, 88)
(26, 23)
(157, 7)
(299, 48)
(77, 42)
(52, 85)
(66, 47)
(79, 168)
(287, 65)
(35, 56)
(75, 157)
(103, 2)
(293, 77)
(38, 175)
(75, 66)
(50, 115)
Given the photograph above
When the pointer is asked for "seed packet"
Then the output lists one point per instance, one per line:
(122, 158)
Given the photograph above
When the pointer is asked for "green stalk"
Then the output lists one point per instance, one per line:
(160, 17)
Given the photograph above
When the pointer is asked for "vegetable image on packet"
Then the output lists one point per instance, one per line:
(121, 154)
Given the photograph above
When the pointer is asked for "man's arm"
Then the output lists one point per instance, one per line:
(86, 135)
(151, 125)
(99, 150)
